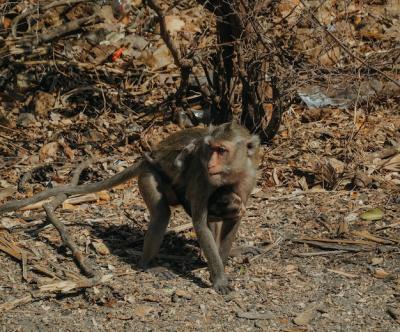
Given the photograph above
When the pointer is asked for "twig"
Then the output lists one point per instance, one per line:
(62, 230)
(396, 224)
(24, 261)
(340, 241)
(63, 29)
(185, 65)
(325, 245)
(267, 249)
(321, 253)
(366, 235)
(40, 9)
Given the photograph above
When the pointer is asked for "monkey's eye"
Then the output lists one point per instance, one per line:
(220, 150)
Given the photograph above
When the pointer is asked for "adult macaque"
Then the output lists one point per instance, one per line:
(208, 171)
(222, 157)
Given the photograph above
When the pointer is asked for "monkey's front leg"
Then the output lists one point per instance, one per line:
(210, 249)
(227, 236)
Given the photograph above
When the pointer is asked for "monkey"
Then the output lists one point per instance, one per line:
(224, 156)
(221, 159)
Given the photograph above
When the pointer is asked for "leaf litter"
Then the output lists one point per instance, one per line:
(327, 203)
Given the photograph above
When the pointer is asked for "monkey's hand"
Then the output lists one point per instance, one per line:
(226, 205)
(222, 286)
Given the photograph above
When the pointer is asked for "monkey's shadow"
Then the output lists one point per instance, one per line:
(126, 240)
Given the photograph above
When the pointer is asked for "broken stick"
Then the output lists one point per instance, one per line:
(62, 230)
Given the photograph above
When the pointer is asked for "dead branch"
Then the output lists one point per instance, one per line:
(184, 64)
(63, 29)
(164, 32)
(331, 246)
(39, 9)
(62, 230)
(321, 253)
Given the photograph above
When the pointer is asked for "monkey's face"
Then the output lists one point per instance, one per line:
(218, 157)
(224, 160)
(230, 152)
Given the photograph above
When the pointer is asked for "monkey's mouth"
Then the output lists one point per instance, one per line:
(214, 173)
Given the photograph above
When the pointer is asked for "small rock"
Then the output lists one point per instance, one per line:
(255, 315)
(25, 119)
(130, 299)
(376, 260)
(306, 316)
(183, 294)
(351, 217)
(381, 273)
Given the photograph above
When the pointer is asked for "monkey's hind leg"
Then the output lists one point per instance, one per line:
(151, 187)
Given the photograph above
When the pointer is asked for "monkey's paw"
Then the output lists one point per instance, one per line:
(222, 286)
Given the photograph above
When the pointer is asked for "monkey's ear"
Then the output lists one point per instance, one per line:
(207, 139)
(252, 145)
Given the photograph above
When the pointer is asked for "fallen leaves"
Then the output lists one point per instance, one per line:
(306, 316)
(372, 214)
(48, 150)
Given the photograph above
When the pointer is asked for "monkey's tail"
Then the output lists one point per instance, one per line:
(115, 180)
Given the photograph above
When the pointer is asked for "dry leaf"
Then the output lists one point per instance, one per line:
(49, 150)
(306, 316)
(380, 273)
(393, 164)
(371, 215)
(162, 57)
(67, 150)
(100, 247)
(103, 196)
(143, 310)
(174, 23)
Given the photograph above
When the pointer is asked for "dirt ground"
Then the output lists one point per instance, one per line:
(327, 284)
(325, 215)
